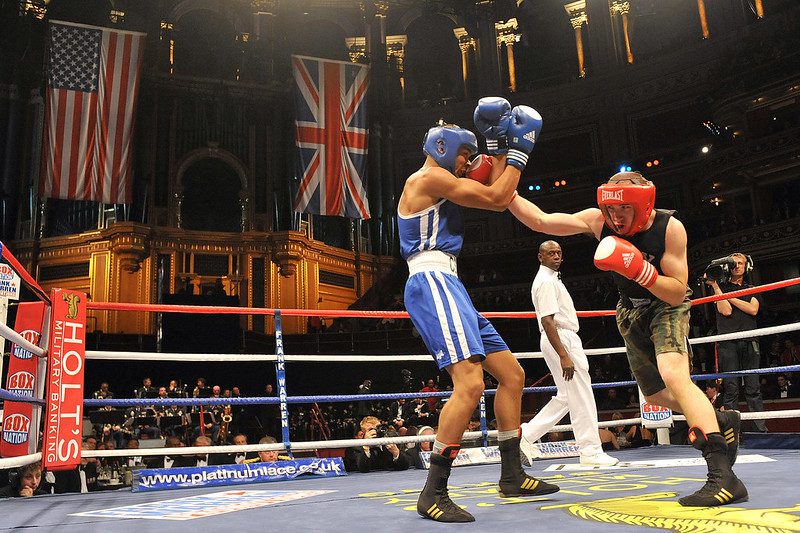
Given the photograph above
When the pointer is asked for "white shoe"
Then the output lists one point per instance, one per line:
(528, 451)
(599, 459)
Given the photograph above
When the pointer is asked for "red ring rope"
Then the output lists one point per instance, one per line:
(331, 313)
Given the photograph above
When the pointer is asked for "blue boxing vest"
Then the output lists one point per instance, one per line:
(439, 227)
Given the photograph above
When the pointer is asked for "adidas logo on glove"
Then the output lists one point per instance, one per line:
(627, 258)
(530, 136)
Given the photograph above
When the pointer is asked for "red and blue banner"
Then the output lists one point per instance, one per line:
(15, 439)
(331, 135)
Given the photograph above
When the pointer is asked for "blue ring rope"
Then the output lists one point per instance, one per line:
(264, 400)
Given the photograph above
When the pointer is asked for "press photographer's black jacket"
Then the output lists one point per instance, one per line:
(379, 459)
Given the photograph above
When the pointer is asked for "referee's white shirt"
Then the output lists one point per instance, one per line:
(550, 297)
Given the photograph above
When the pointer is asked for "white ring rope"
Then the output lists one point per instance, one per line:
(21, 460)
(20, 341)
(155, 356)
(351, 443)
(14, 462)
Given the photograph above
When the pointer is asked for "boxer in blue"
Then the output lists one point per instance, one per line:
(461, 340)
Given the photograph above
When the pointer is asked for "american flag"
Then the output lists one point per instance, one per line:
(92, 82)
(331, 136)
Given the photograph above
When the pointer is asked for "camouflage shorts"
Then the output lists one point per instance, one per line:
(651, 330)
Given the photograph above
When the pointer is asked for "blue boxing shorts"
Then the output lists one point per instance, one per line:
(446, 319)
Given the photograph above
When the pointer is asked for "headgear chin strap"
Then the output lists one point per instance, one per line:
(641, 196)
(442, 143)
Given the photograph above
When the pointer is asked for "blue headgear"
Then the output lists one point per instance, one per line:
(443, 142)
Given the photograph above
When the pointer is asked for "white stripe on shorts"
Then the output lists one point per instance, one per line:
(440, 312)
(462, 338)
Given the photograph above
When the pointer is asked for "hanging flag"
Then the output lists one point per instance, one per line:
(331, 136)
(92, 82)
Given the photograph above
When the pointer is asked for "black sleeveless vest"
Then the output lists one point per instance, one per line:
(651, 243)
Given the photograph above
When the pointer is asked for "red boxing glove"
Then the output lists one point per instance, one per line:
(480, 169)
(625, 259)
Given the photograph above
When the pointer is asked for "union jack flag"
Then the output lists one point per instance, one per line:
(93, 78)
(331, 136)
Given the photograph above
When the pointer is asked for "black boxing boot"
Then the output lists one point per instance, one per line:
(730, 425)
(722, 487)
(434, 502)
(513, 479)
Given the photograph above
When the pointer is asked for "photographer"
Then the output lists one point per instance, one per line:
(733, 315)
(386, 457)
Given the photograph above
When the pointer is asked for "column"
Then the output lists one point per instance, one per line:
(623, 9)
(576, 11)
(600, 34)
(264, 37)
(486, 48)
(396, 48)
(466, 44)
(356, 48)
(759, 9)
(507, 34)
(701, 10)
(168, 45)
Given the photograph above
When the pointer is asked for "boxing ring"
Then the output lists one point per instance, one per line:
(640, 492)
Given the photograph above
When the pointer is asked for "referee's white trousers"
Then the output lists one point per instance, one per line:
(574, 397)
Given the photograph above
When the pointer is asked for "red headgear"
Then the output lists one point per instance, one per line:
(642, 196)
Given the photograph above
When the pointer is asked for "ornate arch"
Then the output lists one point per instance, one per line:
(213, 152)
(335, 17)
(402, 24)
(215, 6)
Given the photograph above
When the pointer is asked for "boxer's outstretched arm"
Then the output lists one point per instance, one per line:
(554, 223)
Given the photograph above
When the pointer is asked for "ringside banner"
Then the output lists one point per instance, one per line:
(491, 454)
(654, 416)
(22, 379)
(237, 474)
(66, 356)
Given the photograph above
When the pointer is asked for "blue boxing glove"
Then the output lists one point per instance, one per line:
(526, 123)
(492, 117)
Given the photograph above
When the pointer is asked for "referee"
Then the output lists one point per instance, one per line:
(563, 353)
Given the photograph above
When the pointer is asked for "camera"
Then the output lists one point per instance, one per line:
(381, 431)
(719, 270)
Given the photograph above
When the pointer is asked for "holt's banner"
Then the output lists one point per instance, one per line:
(66, 356)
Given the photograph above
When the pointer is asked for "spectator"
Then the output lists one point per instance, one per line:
(784, 388)
(413, 453)
(420, 413)
(713, 395)
(612, 401)
(364, 408)
(430, 386)
(370, 458)
(24, 482)
(270, 456)
(790, 355)
(103, 393)
(146, 390)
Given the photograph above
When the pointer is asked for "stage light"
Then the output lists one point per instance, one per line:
(563, 182)
(538, 187)
(656, 162)
(622, 168)
(705, 149)
(648, 164)
(530, 187)
(556, 183)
